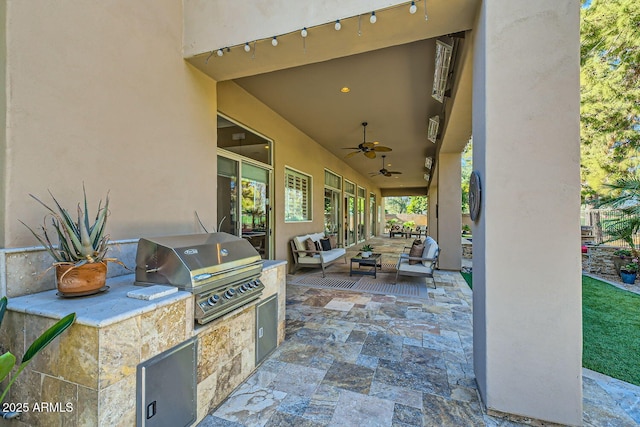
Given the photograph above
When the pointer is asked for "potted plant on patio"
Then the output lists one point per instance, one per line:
(629, 272)
(620, 258)
(366, 250)
(80, 255)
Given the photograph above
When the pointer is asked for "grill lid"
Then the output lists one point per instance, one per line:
(196, 261)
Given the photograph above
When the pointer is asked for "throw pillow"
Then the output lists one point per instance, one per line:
(325, 245)
(333, 241)
(310, 245)
(416, 251)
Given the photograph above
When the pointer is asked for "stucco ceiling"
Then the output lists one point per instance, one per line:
(389, 68)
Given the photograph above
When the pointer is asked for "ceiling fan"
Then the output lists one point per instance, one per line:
(367, 148)
(383, 171)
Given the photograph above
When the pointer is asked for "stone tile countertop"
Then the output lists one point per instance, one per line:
(101, 309)
(121, 301)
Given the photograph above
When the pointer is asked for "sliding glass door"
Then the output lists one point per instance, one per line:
(333, 205)
(372, 215)
(350, 213)
(255, 207)
(227, 196)
(361, 214)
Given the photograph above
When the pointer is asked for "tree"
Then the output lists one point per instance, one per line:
(417, 205)
(397, 205)
(610, 93)
(624, 195)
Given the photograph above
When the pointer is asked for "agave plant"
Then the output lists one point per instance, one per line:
(8, 360)
(79, 242)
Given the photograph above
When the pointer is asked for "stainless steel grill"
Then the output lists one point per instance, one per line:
(221, 270)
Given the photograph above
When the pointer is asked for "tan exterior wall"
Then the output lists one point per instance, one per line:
(294, 149)
(260, 21)
(100, 94)
(527, 316)
(3, 112)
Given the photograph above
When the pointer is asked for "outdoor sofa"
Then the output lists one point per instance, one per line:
(304, 256)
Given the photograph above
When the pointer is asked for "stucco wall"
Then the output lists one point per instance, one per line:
(259, 19)
(527, 321)
(3, 112)
(291, 148)
(100, 94)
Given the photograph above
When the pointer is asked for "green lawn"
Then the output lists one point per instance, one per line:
(468, 277)
(610, 329)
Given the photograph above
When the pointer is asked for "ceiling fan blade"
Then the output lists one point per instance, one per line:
(350, 148)
(398, 173)
(368, 145)
(387, 174)
(381, 148)
(351, 154)
(370, 154)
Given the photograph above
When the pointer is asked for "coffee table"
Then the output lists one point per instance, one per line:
(373, 260)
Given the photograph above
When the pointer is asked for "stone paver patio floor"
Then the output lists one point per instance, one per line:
(360, 359)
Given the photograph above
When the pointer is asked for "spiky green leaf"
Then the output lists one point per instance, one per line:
(7, 362)
(49, 335)
(49, 248)
(3, 308)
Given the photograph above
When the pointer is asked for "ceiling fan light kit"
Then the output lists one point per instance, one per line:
(384, 171)
(369, 149)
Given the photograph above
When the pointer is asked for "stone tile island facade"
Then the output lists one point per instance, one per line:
(89, 372)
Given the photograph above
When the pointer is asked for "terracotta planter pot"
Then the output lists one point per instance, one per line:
(83, 280)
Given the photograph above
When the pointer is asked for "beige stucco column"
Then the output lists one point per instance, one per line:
(432, 219)
(449, 208)
(526, 266)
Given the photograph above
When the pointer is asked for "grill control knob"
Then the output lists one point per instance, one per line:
(242, 289)
(229, 293)
(213, 299)
(252, 284)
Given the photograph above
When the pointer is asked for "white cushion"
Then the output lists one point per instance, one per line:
(333, 254)
(429, 251)
(316, 236)
(299, 241)
(315, 259)
(417, 269)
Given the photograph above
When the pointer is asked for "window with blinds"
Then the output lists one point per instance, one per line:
(297, 194)
(332, 180)
(349, 187)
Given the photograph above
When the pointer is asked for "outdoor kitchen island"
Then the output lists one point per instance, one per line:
(92, 367)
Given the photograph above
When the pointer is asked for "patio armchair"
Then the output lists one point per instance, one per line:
(423, 266)
(402, 231)
(419, 231)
